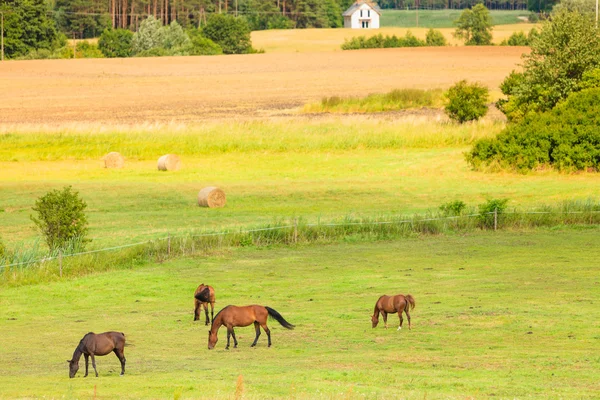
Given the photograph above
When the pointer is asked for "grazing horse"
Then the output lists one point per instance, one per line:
(391, 304)
(97, 345)
(232, 316)
(204, 294)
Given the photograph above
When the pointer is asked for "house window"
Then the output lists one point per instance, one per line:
(361, 13)
(368, 13)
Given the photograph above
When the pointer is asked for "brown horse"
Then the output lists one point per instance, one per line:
(232, 316)
(97, 345)
(391, 304)
(204, 294)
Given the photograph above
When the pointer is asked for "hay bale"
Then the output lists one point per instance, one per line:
(168, 162)
(114, 160)
(211, 197)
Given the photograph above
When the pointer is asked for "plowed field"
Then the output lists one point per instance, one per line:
(188, 89)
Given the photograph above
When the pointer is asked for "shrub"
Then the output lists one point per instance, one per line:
(87, 50)
(175, 39)
(202, 46)
(61, 218)
(474, 26)
(533, 17)
(487, 211)
(379, 41)
(466, 102)
(116, 43)
(566, 138)
(229, 32)
(453, 208)
(435, 38)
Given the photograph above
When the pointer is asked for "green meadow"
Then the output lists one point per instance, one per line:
(443, 18)
(502, 315)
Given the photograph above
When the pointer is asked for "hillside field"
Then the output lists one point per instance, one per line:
(505, 315)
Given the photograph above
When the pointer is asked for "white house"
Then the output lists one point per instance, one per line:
(363, 14)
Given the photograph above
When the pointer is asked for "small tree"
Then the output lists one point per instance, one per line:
(435, 38)
(466, 102)
(116, 43)
(474, 26)
(149, 36)
(61, 218)
(490, 209)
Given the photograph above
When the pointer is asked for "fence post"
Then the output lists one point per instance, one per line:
(169, 245)
(60, 262)
(296, 230)
(496, 218)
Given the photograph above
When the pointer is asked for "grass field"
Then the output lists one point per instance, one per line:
(505, 315)
(269, 170)
(443, 18)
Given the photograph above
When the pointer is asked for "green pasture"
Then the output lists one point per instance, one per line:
(502, 315)
(319, 170)
(442, 18)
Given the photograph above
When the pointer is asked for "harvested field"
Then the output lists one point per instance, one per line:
(189, 89)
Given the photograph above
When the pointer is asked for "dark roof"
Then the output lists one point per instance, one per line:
(357, 5)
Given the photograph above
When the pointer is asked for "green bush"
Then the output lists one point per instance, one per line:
(435, 38)
(453, 208)
(533, 17)
(379, 42)
(150, 35)
(566, 138)
(202, 46)
(229, 32)
(489, 210)
(87, 50)
(61, 218)
(116, 43)
(466, 102)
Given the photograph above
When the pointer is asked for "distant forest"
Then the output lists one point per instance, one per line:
(88, 18)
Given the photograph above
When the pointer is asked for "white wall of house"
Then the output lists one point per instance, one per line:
(368, 19)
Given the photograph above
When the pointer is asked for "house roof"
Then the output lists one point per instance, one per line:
(359, 3)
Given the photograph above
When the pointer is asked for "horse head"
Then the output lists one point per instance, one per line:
(73, 367)
(212, 340)
(374, 320)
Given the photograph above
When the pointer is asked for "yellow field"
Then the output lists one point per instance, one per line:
(188, 89)
(309, 40)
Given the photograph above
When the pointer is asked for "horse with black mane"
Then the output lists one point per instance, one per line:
(391, 304)
(97, 345)
(232, 316)
(203, 296)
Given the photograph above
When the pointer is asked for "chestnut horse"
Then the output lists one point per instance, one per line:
(204, 294)
(391, 304)
(97, 345)
(232, 316)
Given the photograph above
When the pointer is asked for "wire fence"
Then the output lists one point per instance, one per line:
(490, 220)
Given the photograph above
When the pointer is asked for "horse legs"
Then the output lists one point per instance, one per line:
(206, 322)
(230, 333)
(267, 331)
(94, 364)
(257, 328)
(121, 357)
(212, 312)
(384, 315)
(86, 364)
(401, 319)
(196, 310)
(407, 317)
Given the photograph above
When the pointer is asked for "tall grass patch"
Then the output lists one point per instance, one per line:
(397, 99)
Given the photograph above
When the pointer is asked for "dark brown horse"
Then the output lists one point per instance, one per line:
(391, 304)
(232, 316)
(97, 345)
(202, 297)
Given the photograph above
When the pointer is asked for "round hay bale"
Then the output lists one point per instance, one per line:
(211, 197)
(168, 162)
(114, 160)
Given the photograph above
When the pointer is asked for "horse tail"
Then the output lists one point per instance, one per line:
(279, 318)
(204, 295)
(410, 302)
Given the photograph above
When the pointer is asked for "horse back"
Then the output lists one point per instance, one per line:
(243, 316)
(211, 293)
